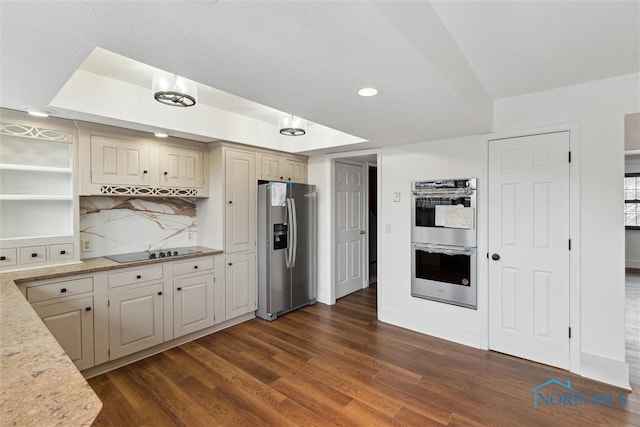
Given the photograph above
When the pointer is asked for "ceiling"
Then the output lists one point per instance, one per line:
(438, 65)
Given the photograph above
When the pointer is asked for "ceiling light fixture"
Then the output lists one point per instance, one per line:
(39, 112)
(175, 91)
(367, 91)
(291, 125)
(161, 134)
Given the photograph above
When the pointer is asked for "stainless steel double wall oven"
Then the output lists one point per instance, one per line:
(443, 234)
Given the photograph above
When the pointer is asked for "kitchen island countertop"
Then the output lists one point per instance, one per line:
(39, 384)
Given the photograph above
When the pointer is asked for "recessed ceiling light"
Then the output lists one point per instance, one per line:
(161, 134)
(39, 112)
(368, 91)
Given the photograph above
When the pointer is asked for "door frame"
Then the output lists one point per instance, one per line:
(352, 157)
(574, 229)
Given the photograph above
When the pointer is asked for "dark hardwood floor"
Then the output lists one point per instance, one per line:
(337, 365)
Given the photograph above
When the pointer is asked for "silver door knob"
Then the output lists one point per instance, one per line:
(363, 232)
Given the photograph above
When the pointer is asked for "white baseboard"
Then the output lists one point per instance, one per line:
(632, 263)
(435, 328)
(605, 370)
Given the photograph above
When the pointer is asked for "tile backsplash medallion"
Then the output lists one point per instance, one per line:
(121, 224)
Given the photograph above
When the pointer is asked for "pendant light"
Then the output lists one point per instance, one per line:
(291, 125)
(175, 91)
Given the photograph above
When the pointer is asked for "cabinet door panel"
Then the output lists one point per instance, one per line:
(118, 161)
(240, 193)
(181, 167)
(193, 304)
(296, 171)
(240, 283)
(72, 325)
(271, 168)
(135, 319)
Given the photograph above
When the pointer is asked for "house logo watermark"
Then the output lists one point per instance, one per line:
(557, 393)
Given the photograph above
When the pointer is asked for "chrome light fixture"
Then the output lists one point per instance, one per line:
(175, 91)
(291, 125)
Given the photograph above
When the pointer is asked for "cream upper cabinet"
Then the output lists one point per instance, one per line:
(271, 168)
(240, 201)
(118, 161)
(281, 168)
(181, 167)
(295, 171)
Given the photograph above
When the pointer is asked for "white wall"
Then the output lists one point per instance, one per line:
(319, 174)
(453, 158)
(632, 237)
(600, 108)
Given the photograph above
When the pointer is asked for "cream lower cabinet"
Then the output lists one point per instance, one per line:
(193, 304)
(71, 323)
(240, 284)
(135, 318)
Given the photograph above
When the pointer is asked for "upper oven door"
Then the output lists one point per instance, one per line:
(431, 207)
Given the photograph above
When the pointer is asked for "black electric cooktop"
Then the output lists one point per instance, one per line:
(164, 253)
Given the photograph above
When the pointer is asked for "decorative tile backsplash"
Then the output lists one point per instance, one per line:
(117, 224)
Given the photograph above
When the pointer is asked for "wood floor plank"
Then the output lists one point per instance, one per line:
(338, 365)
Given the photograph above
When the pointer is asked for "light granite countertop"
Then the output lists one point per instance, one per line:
(39, 384)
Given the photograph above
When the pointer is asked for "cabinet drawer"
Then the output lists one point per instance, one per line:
(8, 257)
(33, 254)
(134, 276)
(59, 289)
(193, 265)
(61, 252)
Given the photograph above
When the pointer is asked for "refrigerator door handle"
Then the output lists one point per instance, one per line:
(288, 218)
(294, 220)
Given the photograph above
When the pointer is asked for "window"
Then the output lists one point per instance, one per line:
(632, 201)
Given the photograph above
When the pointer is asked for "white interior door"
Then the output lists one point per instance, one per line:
(350, 229)
(529, 247)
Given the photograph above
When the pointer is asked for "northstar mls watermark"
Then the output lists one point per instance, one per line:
(544, 395)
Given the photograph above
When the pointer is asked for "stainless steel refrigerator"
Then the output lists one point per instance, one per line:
(286, 248)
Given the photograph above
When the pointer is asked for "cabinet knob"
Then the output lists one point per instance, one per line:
(195, 267)
(138, 277)
(34, 255)
(230, 202)
(178, 289)
(230, 263)
(144, 172)
(166, 173)
(63, 290)
(160, 293)
(495, 257)
(282, 177)
(2, 258)
(88, 309)
(62, 252)
(289, 178)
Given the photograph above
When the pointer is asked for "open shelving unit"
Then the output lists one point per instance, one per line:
(37, 201)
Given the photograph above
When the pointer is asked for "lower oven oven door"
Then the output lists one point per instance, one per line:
(444, 273)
